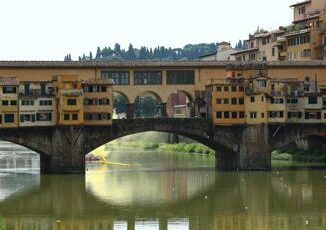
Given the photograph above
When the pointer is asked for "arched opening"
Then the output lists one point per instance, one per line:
(120, 106)
(148, 105)
(18, 158)
(180, 105)
(174, 172)
(309, 149)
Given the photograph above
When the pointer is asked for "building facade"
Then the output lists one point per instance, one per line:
(8, 102)
(37, 104)
(98, 103)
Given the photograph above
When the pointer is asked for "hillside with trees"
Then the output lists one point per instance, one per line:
(188, 52)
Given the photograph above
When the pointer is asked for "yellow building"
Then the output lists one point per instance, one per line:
(69, 96)
(98, 102)
(256, 104)
(226, 100)
(8, 102)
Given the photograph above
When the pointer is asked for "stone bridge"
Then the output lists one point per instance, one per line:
(238, 147)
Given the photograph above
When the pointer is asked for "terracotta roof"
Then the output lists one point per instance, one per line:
(300, 3)
(151, 64)
(9, 81)
(98, 82)
(245, 51)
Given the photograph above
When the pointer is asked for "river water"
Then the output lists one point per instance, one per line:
(157, 190)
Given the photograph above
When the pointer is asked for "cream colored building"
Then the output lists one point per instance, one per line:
(37, 104)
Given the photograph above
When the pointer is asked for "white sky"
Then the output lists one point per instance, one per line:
(50, 29)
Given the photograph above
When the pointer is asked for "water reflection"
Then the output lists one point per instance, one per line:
(143, 198)
(246, 200)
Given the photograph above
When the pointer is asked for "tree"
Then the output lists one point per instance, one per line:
(98, 53)
(90, 55)
(119, 103)
(131, 54)
(146, 106)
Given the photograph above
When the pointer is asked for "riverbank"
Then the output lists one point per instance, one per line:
(316, 156)
(180, 147)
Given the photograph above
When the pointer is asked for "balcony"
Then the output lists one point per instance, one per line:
(71, 92)
(277, 93)
(37, 93)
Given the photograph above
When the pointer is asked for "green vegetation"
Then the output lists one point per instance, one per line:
(188, 52)
(180, 147)
(2, 223)
(300, 156)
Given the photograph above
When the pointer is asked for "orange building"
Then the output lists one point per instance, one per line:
(69, 95)
(98, 102)
(226, 100)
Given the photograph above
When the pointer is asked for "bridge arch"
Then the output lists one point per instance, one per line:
(180, 104)
(148, 93)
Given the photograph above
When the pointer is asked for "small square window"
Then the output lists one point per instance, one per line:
(66, 117)
(75, 117)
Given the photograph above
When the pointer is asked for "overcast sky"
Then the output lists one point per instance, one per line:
(50, 29)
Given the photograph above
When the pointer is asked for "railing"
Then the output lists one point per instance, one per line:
(36, 92)
(71, 92)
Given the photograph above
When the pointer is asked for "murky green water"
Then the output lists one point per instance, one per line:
(158, 191)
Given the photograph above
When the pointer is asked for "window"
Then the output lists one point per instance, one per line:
(233, 101)
(180, 77)
(276, 114)
(241, 88)
(148, 78)
(218, 101)
(312, 100)
(294, 115)
(45, 102)
(261, 83)
(118, 77)
(253, 115)
(9, 89)
(262, 98)
(48, 116)
(312, 115)
(226, 101)
(97, 116)
(13, 102)
(75, 116)
(292, 101)
(233, 88)
(252, 99)
(218, 88)
(104, 101)
(9, 118)
(226, 88)
(5, 102)
(27, 117)
(262, 115)
(241, 101)
(234, 115)
(103, 88)
(66, 117)
(71, 101)
(277, 101)
(241, 114)
(226, 114)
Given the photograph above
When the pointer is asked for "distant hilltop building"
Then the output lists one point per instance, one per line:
(223, 52)
(303, 40)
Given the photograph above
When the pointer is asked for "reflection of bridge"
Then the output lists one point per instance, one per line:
(65, 199)
(63, 148)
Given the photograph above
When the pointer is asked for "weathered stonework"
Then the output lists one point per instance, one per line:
(238, 147)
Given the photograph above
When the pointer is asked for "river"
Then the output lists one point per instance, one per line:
(157, 190)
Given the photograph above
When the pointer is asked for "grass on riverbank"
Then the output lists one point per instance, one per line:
(300, 156)
(180, 147)
(2, 224)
